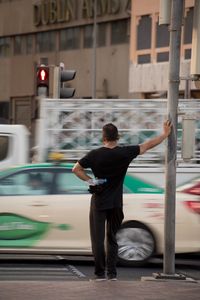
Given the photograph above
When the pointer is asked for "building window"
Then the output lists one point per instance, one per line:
(88, 36)
(144, 33)
(188, 26)
(5, 46)
(45, 41)
(162, 36)
(163, 56)
(18, 45)
(144, 59)
(101, 34)
(23, 44)
(29, 44)
(70, 38)
(119, 32)
(188, 53)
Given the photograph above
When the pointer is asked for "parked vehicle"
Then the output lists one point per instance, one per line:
(44, 208)
(14, 145)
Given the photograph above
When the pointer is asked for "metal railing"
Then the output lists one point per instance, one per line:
(73, 126)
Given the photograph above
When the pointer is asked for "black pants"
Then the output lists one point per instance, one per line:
(112, 218)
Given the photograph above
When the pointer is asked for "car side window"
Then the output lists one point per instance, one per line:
(4, 147)
(68, 183)
(32, 182)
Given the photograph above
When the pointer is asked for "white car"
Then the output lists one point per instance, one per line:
(44, 208)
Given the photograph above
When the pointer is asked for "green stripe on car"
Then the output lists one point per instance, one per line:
(138, 186)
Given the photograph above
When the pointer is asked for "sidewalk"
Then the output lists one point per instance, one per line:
(87, 290)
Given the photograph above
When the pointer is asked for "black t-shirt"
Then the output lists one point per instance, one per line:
(110, 164)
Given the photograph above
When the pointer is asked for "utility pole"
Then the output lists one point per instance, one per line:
(172, 110)
(94, 51)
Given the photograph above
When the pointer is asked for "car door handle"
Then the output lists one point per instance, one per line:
(38, 204)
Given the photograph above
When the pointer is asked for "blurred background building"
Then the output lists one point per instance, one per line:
(149, 51)
(54, 31)
(132, 50)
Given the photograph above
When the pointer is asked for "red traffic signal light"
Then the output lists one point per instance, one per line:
(43, 76)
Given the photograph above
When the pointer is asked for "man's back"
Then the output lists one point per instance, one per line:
(110, 164)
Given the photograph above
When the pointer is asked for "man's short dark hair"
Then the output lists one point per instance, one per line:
(110, 132)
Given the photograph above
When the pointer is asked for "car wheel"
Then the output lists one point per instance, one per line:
(136, 244)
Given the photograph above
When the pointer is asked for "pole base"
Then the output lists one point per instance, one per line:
(160, 277)
(169, 276)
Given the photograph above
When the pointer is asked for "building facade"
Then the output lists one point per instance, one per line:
(132, 50)
(149, 51)
(54, 31)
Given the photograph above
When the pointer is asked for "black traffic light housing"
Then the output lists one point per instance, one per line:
(66, 75)
(42, 79)
(60, 76)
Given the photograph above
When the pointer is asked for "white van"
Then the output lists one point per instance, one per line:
(14, 145)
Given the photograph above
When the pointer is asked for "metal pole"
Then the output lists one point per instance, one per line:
(187, 88)
(173, 96)
(42, 91)
(94, 51)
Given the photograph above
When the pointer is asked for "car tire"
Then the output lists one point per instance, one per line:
(136, 244)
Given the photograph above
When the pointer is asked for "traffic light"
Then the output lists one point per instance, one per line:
(60, 77)
(42, 80)
(66, 75)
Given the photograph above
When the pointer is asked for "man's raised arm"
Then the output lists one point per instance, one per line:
(158, 139)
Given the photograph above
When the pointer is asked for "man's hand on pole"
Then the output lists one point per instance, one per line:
(167, 126)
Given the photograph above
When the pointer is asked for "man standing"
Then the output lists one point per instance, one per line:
(110, 163)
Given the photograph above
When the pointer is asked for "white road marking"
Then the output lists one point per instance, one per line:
(76, 271)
